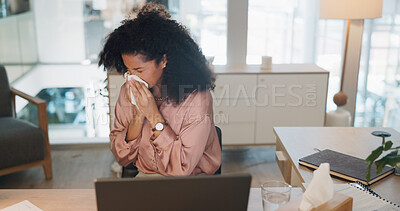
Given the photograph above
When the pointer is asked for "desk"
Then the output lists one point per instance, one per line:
(293, 143)
(51, 199)
(85, 199)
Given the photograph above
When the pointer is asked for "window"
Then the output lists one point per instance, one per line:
(284, 30)
(207, 21)
(291, 32)
(329, 48)
(378, 96)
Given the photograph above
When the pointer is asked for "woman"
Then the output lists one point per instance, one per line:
(171, 130)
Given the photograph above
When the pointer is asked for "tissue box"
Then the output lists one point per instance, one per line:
(339, 202)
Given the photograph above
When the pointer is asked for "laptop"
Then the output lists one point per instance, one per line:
(214, 192)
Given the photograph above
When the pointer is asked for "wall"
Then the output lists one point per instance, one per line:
(60, 31)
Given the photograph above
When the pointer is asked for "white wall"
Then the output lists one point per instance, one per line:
(60, 30)
(9, 42)
(237, 32)
(18, 39)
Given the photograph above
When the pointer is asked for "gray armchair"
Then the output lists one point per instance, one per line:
(22, 144)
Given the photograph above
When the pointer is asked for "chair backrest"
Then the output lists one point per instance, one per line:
(6, 109)
(219, 132)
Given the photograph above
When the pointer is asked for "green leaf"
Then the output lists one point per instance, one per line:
(390, 159)
(374, 154)
(368, 177)
(388, 145)
(380, 164)
(393, 153)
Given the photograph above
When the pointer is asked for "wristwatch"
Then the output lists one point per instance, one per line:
(160, 126)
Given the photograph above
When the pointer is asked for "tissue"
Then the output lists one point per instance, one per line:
(320, 189)
(136, 78)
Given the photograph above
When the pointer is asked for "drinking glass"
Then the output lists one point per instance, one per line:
(275, 194)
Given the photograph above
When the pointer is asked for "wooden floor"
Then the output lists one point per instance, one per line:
(76, 166)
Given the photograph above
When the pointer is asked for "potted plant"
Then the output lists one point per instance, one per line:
(392, 159)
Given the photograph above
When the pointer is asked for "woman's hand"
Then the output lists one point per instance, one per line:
(146, 103)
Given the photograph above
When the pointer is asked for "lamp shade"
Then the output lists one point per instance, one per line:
(350, 9)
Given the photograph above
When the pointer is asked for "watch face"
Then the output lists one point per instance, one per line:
(159, 126)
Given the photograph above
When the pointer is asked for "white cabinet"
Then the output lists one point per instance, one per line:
(234, 112)
(249, 102)
(289, 100)
(235, 86)
(237, 133)
(241, 110)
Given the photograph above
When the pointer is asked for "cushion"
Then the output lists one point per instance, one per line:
(5, 95)
(20, 142)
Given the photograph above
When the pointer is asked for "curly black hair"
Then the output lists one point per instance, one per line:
(152, 34)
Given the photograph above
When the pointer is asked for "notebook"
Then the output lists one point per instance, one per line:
(345, 166)
(365, 198)
(23, 205)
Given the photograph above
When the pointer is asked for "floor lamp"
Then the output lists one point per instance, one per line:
(348, 10)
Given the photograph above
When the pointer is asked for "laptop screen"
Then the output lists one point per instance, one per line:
(216, 192)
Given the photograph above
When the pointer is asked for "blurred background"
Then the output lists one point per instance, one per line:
(50, 49)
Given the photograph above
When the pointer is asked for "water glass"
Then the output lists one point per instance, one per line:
(275, 194)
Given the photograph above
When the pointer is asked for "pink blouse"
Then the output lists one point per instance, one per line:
(187, 146)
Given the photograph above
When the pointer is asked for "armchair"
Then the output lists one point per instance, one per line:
(22, 144)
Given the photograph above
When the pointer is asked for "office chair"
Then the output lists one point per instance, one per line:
(219, 133)
(131, 170)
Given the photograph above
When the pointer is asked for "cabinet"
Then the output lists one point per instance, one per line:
(248, 102)
(233, 110)
(289, 100)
